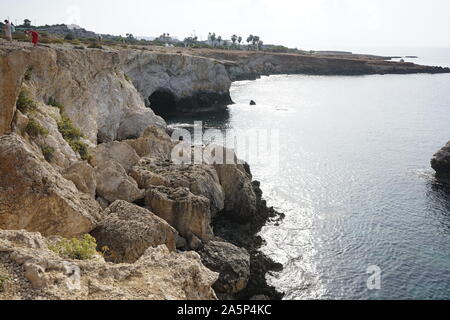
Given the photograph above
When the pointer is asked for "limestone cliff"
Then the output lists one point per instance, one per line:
(80, 154)
(173, 83)
(250, 65)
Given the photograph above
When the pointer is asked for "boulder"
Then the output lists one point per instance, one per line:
(83, 176)
(35, 197)
(201, 180)
(186, 212)
(232, 264)
(441, 161)
(40, 274)
(128, 231)
(113, 183)
(135, 123)
(12, 69)
(154, 143)
(120, 152)
(240, 198)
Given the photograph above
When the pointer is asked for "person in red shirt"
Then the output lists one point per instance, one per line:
(34, 37)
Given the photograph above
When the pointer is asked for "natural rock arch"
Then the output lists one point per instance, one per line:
(163, 102)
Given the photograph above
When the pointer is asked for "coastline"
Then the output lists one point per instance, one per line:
(107, 94)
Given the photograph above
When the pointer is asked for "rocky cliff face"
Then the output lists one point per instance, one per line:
(81, 154)
(251, 65)
(174, 83)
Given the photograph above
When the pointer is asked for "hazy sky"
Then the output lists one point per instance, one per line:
(307, 24)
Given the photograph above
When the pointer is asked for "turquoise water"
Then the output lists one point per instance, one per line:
(354, 181)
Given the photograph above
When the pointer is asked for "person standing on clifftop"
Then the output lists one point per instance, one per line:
(34, 37)
(7, 30)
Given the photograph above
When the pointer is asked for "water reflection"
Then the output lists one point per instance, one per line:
(438, 197)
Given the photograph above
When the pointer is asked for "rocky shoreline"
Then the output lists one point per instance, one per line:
(83, 155)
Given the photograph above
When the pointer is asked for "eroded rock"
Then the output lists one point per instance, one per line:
(128, 231)
(154, 143)
(232, 264)
(83, 176)
(120, 152)
(186, 212)
(201, 180)
(157, 275)
(113, 183)
(35, 197)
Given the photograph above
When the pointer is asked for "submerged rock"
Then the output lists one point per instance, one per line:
(35, 197)
(128, 231)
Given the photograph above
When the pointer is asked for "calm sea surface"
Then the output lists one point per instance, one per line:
(354, 181)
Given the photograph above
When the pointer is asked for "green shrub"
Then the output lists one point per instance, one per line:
(54, 103)
(73, 135)
(47, 151)
(28, 73)
(81, 148)
(68, 130)
(69, 37)
(34, 129)
(24, 103)
(76, 249)
(95, 46)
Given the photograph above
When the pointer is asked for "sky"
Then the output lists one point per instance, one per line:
(304, 24)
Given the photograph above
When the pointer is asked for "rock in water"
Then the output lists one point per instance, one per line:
(232, 264)
(35, 197)
(441, 162)
(128, 231)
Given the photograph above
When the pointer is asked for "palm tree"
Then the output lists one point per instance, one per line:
(27, 23)
(234, 38)
(250, 39)
(219, 39)
(213, 39)
(239, 40)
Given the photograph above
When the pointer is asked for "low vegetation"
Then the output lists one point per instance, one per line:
(54, 103)
(48, 152)
(34, 129)
(28, 73)
(95, 46)
(24, 103)
(73, 135)
(76, 249)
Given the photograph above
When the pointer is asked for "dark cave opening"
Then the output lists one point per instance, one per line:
(163, 103)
